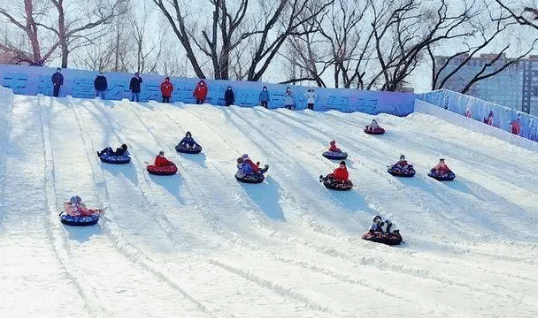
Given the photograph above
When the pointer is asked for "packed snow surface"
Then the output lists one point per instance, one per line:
(200, 244)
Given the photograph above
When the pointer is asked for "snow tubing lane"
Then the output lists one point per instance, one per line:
(449, 176)
(333, 155)
(339, 186)
(78, 220)
(114, 159)
(162, 171)
(257, 178)
(397, 172)
(195, 150)
(378, 131)
(388, 239)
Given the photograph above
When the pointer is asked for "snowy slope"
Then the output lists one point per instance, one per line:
(200, 244)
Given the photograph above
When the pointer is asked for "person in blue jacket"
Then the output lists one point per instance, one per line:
(187, 141)
(229, 96)
(264, 97)
(100, 85)
(134, 87)
(57, 82)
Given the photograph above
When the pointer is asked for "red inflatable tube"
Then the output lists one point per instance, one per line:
(162, 171)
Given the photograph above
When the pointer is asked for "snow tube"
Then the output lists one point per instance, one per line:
(399, 172)
(332, 184)
(377, 131)
(333, 155)
(446, 176)
(253, 178)
(115, 159)
(384, 238)
(194, 150)
(78, 220)
(162, 171)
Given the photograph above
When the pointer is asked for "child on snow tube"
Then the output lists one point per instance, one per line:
(338, 180)
(383, 232)
(162, 166)
(402, 168)
(334, 152)
(121, 155)
(76, 213)
(374, 128)
(442, 172)
(187, 144)
(248, 171)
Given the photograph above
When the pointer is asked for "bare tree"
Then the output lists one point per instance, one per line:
(76, 25)
(224, 33)
(35, 53)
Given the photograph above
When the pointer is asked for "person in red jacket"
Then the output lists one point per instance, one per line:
(441, 167)
(340, 174)
(161, 161)
(200, 93)
(166, 89)
(333, 147)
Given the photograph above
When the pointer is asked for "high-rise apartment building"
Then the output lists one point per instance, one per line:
(515, 87)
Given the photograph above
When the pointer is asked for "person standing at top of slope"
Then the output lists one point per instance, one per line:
(134, 87)
(289, 100)
(57, 82)
(166, 90)
(229, 96)
(333, 147)
(310, 98)
(264, 97)
(200, 92)
(161, 161)
(100, 84)
(490, 120)
(516, 125)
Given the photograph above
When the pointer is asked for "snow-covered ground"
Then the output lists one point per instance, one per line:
(200, 244)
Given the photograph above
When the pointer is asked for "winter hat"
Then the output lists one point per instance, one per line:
(342, 163)
(73, 200)
(402, 157)
(229, 88)
(332, 142)
(58, 69)
(188, 134)
(136, 74)
(265, 87)
(377, 219)
(124, 146)
(167, 78)
(442, 160)
(161, 153)
(245, 156)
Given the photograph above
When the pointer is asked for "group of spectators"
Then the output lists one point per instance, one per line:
(200, 92)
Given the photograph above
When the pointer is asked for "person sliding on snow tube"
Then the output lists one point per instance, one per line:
(249, 171)
(383, 232)
(188, 145)
(338, 180)
(121, 155)
(334, 152)
(402, 168)
(76, 213)
(374, 128)
(441, 172)
(162, 166)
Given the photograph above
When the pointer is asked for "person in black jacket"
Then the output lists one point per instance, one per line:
(100, 85)
(119, 151)
(57, 81)
(134, 87)
(229, 96)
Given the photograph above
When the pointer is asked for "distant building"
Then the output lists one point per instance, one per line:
(515, 87)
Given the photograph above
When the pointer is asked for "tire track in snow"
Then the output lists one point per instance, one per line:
(129, 251)
(57, 239)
